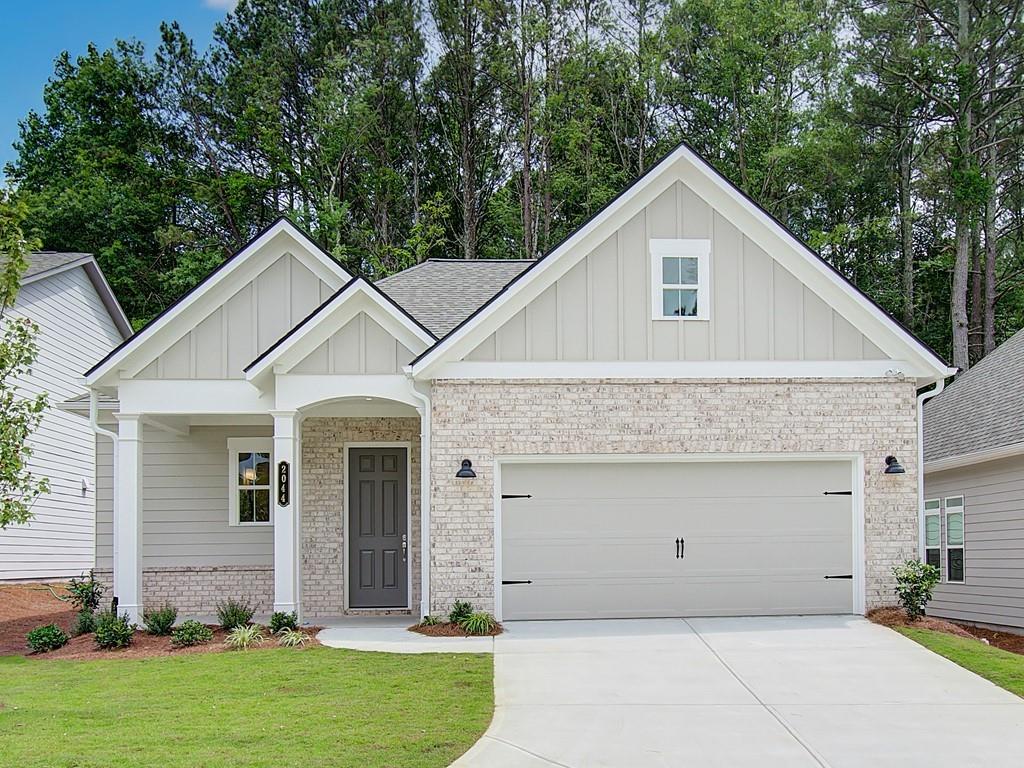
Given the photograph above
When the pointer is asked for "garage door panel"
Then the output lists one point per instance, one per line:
(599, 540)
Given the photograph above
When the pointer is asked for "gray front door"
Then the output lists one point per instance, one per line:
(377, 528)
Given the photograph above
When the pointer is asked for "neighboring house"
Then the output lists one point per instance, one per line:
(680, 410)
(79, 322)
(974, 491)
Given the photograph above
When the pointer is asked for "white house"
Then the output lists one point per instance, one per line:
(79, 322)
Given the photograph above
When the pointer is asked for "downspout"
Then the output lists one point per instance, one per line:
(101, 432)
(921, 400)
(424, 398)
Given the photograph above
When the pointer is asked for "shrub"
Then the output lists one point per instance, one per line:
(46, 638)
(85, 593)
(461, 610)
(85, 623)
(914, 583)
(430, 621)
(113, 631)
(479, 623)
(292, 638)
(281, 620)
(191, 632)
(244, 637)
(161, 621)
(234, 613)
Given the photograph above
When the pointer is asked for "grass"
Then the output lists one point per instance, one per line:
(314, 707)
(1003, 668)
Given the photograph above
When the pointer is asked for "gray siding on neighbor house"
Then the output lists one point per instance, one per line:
(75, 331)
(233, 335)
(993, 588)
(359, 346)
(185, 503)
(601, 309)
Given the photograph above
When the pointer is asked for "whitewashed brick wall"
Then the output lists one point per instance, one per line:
(197, 590)
(480, 419)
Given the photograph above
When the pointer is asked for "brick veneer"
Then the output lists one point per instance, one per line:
(481, 419)
(323, 493)
(196, 590)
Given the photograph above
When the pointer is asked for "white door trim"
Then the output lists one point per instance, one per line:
(856, 461)
(346, 449)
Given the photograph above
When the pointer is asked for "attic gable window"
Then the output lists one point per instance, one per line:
(680, 279)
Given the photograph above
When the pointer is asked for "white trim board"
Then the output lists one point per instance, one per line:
(978, 457)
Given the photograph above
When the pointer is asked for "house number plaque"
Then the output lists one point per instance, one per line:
(283, 483)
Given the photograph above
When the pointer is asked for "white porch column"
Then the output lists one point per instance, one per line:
(287, 516)
(128, 517)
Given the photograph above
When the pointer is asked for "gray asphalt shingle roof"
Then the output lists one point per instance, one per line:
(441, 293)
(982, 409)
(44, 261)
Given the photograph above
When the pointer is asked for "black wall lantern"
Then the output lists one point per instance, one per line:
(467, 469)
(893, 466)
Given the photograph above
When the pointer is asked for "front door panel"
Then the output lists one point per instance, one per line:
(377, 528)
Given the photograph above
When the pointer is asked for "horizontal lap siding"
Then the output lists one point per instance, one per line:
(993, 588)
(75, 331)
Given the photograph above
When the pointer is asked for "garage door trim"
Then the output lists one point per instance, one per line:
(856, 461)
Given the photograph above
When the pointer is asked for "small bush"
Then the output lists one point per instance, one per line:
(191, 632)
(479, 623)
(113, 631)
(461, 610)
(85, 593)
(292, 638)
(281, 620)
(243, 638)
(914, 583)
(85, 623)
(430, 621)
(234, 613)
(161, 621)
(46, 638)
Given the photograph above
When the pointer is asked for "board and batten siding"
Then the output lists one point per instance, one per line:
(601, 308)
(75, 331)
(993, 587)
(233, 335)
(184, 502)
(362, 345)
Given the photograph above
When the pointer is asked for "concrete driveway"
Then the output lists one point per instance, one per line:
(766, 692)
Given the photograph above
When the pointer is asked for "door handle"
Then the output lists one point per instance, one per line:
(680, 548)
(405, 547)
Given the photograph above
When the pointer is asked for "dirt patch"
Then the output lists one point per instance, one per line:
(23, 607)
(893, 616)
(447, 629)
(1008, 641)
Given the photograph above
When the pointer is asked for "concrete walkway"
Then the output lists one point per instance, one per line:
(767, 692)
(391, 634)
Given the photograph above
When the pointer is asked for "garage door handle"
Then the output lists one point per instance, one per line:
(844, 576)
(680, 548)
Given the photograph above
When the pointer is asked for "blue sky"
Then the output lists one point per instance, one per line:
(34, 32)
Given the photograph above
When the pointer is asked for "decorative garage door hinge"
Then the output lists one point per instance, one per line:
(838, 493)
(844, 576)
(522, 581)
(516, 496)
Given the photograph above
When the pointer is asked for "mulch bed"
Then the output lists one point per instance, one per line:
(450, 630)
(1008, 641)
(893, 616)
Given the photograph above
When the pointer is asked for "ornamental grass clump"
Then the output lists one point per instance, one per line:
(244, 638)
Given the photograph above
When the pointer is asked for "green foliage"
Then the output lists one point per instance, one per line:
(1003, 668)
(113, 631)
(914, 583)
(292, 638)
(85, 622)
(191, 632)
(46, 638)
(85, 593)
(234, 613)
(479, 623)
(460, 610)
(161, 621)
(242, 638)
(281, 620)
(430, 620)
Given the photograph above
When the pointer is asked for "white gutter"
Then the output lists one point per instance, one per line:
(424, 398)
(100, 431)
(921, 400)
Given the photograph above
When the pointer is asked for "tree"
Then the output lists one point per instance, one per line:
(19, 415)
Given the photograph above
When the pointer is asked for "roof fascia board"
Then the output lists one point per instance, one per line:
(977, 457)
(106, 294)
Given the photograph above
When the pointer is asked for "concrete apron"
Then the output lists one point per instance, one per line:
(794, 691)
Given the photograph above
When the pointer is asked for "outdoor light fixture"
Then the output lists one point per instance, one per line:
(467, 469)
(893, 466)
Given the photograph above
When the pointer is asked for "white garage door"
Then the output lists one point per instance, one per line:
(603, 540)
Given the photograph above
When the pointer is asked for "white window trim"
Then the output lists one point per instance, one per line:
(238, 445)
(936, 512)
(684, 248)
(962, 510)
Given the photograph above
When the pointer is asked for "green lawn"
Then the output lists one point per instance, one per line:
(280, 707)
(1003, 668)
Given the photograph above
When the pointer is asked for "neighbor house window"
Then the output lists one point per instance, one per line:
(249, 480)
(955, 538)
(680, 279)
(933, 532)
